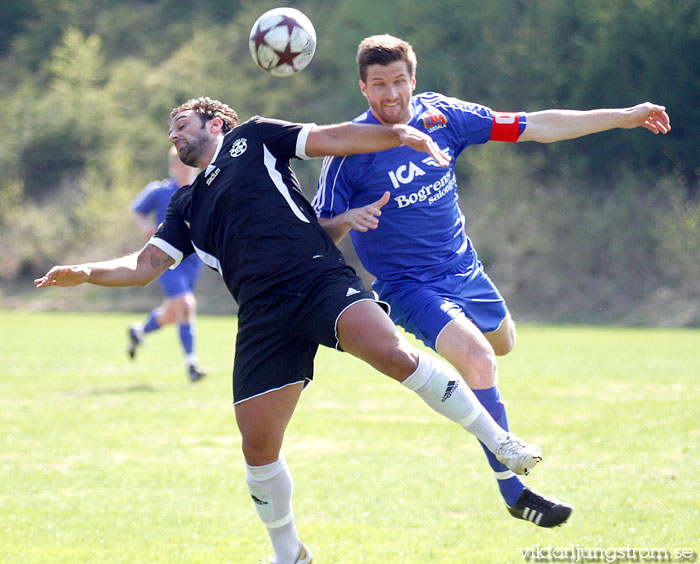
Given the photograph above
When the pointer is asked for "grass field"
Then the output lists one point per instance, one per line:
(108, 461)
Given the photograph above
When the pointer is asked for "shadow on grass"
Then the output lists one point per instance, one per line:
(112, 390)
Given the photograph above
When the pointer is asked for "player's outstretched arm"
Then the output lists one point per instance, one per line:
(556, 125)
(359, 219)
(345, 139)
(137, 269)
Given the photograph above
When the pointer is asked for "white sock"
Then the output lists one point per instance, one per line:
(439, 385)
(271, 489)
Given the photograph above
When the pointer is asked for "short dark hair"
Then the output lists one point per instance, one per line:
(209, 109)
(384, 50)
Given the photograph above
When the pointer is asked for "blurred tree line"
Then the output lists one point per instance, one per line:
(603, 228)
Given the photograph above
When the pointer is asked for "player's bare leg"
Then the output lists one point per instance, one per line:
(469, 351)
(262, 421)
(472, 354)
(364, 330)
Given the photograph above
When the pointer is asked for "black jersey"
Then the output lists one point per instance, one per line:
(245, 215)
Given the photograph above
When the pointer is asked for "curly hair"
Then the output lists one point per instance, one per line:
(384, 50)
(209, 109)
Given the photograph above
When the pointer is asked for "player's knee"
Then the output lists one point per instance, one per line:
(261, 444)
(484, 369)
(402, 361)
(185, 307)
(190, 303)
(395, 359)
(258, 451)
(166, 315)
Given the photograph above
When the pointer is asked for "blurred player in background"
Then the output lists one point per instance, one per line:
(402, 213)
(180, 305)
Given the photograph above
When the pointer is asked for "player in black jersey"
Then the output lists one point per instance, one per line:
(246, 217)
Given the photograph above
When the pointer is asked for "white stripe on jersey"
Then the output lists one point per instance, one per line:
(320, 197)
(210, 260)
(276, 178)
(210, 166)
(319, 200)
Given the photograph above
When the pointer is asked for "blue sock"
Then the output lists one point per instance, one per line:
(187, 333)
(510, 485)
(151, 322)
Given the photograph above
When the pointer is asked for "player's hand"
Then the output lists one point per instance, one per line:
(366, 217)
(650, 116)
(420, 141)
(64, 276)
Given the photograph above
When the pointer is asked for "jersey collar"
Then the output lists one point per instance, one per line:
(211, 166)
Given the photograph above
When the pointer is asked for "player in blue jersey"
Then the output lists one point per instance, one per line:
(246, 217)
(180, 305)
(403, 216)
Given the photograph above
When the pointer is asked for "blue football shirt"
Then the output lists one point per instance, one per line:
(421, 232)
(154, 199)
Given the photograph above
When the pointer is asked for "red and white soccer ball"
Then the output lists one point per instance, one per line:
(282, 41)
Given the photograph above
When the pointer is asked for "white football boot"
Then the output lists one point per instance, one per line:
(305, 556)
(519, 456)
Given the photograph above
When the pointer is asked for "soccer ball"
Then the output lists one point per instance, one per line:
(282, 41)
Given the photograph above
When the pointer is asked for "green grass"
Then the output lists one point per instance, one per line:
(107, 461)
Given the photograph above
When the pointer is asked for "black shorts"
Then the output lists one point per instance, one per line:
(278, 337)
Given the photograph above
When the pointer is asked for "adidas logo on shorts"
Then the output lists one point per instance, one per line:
(351, 292)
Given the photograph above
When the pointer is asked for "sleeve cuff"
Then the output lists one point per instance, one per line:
(301, 141)
(167, 248)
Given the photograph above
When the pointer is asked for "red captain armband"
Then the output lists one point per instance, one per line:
(505, 127)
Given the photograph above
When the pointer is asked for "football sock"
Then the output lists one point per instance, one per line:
(271, 489)
(444, 391)
(509, 484)
(187, 334)
(191, 360)
(151, 322)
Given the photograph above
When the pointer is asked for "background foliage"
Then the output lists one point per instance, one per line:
(603, 228)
